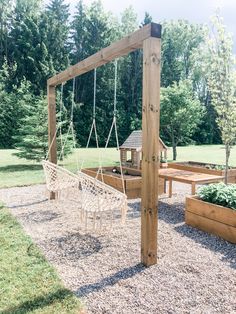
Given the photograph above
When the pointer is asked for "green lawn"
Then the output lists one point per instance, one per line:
(28, 284)
(17, 172)
(206, 153)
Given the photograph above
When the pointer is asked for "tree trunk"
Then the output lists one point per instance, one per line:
(227, 154)
(174, 152)
(174, 147)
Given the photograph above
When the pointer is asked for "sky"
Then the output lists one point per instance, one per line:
(193, 10)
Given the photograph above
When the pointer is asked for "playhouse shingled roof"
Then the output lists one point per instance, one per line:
(134, 141)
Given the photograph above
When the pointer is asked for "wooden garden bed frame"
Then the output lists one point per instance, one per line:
(211, 218)
(132, 181)
(149, 39)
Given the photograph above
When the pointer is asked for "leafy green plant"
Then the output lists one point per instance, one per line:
(219, 194)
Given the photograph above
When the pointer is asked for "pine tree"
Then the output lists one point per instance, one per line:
(131, 79)
(12, 107)
(32, 138)
(27, 48)
(55, 29)
(5, 14)
(93, 29)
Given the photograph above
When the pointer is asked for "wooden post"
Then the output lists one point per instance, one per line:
(170, 188)
(138, 159)
(52, 141)
(193, 189)
(147, 37)
(150, 148)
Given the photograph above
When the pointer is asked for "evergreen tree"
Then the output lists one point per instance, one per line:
(147, 19)
(12, 107)
(92, 29)
(131, 80)
(32, 137)
(208, 131)
(5, 14)
(25, 8)
(55, 29)
(27, 48)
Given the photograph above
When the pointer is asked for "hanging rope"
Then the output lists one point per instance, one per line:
(95, 197)
(114, 125)
(94, 127)
(60, 116)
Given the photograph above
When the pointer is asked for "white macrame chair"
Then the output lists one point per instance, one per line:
(96, 199)
(99, 200)
(58, 179)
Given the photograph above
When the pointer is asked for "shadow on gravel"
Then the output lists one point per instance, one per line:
(29, 204)
(134, 210)
(39, 216)
(73, 247)
(111, 280)
(171, 213)
(211, 242)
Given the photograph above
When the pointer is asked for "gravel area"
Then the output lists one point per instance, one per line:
(196, 272)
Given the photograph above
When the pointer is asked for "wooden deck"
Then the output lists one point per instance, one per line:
(188, 177)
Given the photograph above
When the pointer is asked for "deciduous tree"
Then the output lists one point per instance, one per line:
(221, 76)
(181, 113)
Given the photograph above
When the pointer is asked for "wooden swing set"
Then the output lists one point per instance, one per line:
(149, 39)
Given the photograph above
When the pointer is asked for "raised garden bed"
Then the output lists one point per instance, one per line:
(211, 218)
(132, 180)
(205, 168)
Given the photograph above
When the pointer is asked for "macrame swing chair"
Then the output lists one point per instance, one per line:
(59, 179)
(97, 200)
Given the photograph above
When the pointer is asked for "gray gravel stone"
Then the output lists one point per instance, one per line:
(196, 272)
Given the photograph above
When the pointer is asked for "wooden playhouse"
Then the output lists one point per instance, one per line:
(131, 150)
(131, 167)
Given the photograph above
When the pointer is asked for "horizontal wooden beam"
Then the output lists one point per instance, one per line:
(115, 50)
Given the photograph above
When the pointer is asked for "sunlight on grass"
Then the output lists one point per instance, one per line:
(18, 172)
(28, 284)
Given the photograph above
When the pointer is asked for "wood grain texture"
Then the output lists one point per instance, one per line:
(211, 211)
(150, 145)
(132, 185)
(211, 226)
(211, 218)
(115, 50)
(52, 141)
(231, 172)
(148, 38)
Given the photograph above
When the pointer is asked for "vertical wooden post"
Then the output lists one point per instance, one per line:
(52, 143)
(150, 149)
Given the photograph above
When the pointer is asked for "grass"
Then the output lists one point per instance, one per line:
(28, 284)
(205, 153)
(17, 172)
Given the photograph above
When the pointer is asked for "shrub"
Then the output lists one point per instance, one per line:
(219, 194)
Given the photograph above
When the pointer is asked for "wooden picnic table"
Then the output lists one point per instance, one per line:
(188, 177)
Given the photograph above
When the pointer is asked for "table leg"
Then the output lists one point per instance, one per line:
(193, 188)
(165, 185)
(170, 188)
